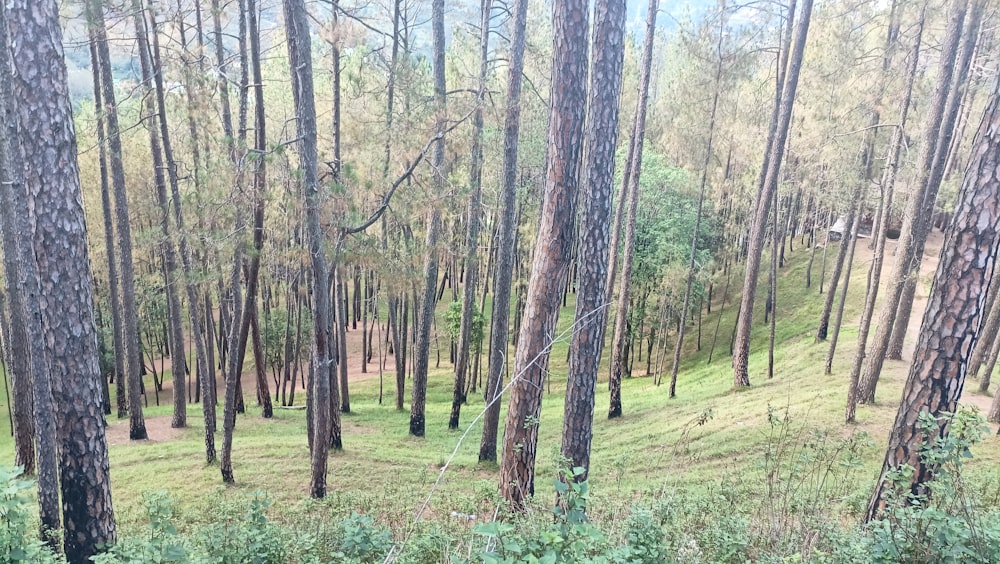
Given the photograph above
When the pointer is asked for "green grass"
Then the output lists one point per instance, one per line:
(655, 445)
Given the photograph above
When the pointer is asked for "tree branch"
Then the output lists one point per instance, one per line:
(387, 197)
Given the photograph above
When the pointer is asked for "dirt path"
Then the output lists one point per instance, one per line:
(935, 241)
(158, 429)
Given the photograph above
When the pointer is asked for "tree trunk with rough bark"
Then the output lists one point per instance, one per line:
(299, 41)
(259, 165)
(16, 337)
(51, 187)
(109, 233)
(553, 248)
(586, 343)
(29, 358)
(773, 157)
(628, 254)
(131, 401)
(475, 218)
(954, 311)
(340, 330)
(429, 301)
(499, 326)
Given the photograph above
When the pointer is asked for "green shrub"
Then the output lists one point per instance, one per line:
(946, 521)
(571, 538)
(160, 544)
(242, 535)
(15, 522)
(428, 546)
(362, 540)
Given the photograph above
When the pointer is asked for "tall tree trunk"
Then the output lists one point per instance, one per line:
(499, 326)
(249, 309)
(772, 288)
(397, 349)
(300, 62)
(954, 312)
(123, 231)
(106, 214)
(475, 217)
(628, 254)
(591, 309)
(395, 298)
(22, 426)
(152, 83)
(15, 349)
(568, 100)
(338, 328)
(23, 284)
(32, 383)
(341, 336)
(51, 187)
(775, 154)
(423, 330)
(888, 189)
(236, 143)
(17, 337)
(263, 392)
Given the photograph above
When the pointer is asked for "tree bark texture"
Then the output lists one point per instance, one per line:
(552, 249)
(52, 192)
(429, 301)
(586, 344)
(954, 312)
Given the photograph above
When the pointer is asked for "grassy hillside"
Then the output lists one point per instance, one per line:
(708, 439)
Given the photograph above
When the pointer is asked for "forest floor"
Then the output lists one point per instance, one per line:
(705, 436)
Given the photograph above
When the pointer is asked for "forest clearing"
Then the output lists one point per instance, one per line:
(539, 281)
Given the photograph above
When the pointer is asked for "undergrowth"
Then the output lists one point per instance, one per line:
(798, 504)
